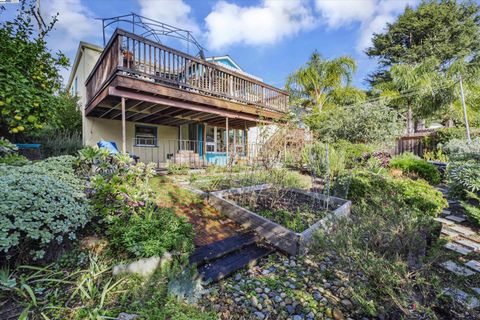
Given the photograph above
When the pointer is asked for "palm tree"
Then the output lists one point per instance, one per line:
(322, 83)
(419, 90)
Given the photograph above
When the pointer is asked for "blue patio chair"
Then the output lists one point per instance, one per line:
(112, 148)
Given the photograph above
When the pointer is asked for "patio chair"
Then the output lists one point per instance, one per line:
(111, 147)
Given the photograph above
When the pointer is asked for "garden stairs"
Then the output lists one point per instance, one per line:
(291, 139)
(465, 242)
(220, 259)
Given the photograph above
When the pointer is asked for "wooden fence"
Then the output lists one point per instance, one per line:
(412, 143)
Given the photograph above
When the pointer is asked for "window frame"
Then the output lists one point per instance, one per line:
(155, 138)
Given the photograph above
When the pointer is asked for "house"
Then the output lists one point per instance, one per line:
(167, 106)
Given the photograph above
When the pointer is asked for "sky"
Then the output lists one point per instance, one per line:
(267, 38)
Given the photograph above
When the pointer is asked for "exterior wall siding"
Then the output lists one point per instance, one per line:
(96, 129)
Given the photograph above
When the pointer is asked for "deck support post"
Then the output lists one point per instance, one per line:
(226, 139)
(124, 133)
(245, 141)
(204, 144)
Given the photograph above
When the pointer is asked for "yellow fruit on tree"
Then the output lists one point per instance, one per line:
(18, 118)
(14, 130)
(20, 128)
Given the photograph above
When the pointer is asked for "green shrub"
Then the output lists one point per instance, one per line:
(386, 246)
(354, 152)
(178, 169)
(8, 154)
(41, 205)
(151, 232)
(472, 206)
(361, 123)
(6, 147)
(442, 136)
(463, 177)
(13, 160)
(58, 142)
(435, 155)
(416, 167)
(379, 191)
(123, 200)
(316, 161)
(386, 241)
(462, 150)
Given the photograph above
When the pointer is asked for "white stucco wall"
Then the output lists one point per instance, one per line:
(97, 129)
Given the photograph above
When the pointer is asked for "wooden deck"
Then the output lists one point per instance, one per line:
(165, 86)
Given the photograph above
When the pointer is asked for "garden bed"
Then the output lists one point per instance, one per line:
(286, 218)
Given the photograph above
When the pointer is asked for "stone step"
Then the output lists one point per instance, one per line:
(455, 218)
(450, 233)
(444, 221)
(446, 212)
(474, 265)
(464, 298)
(458, 248)
(473, 245)
(456, 268)
(465, 231)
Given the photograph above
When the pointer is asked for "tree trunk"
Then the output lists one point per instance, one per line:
(420, 125)
(410, 124)
(449, 123)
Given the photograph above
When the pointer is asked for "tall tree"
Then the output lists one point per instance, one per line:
(419, 90)
(446, 30)
(29, 74)
(322, 83)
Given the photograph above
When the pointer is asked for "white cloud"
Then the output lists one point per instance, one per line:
(173, 12)
(376, 25)
(267, 23)
(385, 12)
(75, 22)
(372, 15)
(338, 13)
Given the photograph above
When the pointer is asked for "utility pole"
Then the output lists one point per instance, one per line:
(462, 95)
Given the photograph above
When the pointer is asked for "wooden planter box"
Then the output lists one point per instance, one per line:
(282, 238)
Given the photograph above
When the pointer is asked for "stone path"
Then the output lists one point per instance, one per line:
(464, 241)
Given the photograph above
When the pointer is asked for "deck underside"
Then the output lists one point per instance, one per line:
(166, 104)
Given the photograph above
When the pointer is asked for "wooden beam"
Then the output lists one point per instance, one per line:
(99, 98)
(144, 115)
(130, 108)
(181, 104)
(110, 110)
(166, 91)
(143, 110)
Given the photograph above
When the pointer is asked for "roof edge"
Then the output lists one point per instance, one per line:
(81, 45)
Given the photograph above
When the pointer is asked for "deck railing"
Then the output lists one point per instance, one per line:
(132, 55)
(192, 153)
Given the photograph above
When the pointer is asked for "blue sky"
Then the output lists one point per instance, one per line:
(267, 38)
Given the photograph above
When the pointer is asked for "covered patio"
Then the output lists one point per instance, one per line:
(210, 107)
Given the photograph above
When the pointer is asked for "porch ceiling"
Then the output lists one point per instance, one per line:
(155, 103)
(154, 113)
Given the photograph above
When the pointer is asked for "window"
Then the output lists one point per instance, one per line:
(74, 87)
(210, 133)
(145, 136)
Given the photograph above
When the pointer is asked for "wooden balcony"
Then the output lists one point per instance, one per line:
(166, 86)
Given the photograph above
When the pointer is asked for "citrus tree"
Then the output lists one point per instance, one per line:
(29, 74)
